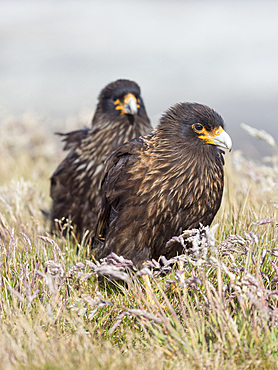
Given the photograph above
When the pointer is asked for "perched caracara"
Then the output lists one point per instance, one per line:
(75, 185)
(158, 185)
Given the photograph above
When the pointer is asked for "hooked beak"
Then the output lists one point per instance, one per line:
(223, 141)
(129, 104)
(217, 137)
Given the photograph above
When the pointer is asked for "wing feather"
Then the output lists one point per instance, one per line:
(73, 139)
(116, 171)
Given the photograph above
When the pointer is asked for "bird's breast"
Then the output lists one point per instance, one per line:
(177, 192)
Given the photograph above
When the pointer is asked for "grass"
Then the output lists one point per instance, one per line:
(59, 309)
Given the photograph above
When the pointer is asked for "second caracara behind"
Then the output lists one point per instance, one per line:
(75, 185)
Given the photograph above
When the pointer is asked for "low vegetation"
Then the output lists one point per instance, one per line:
(213, 307)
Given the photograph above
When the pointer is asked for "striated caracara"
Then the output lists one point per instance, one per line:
(158, 185)
(75, 185)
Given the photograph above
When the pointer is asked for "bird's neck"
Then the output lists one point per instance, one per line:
(182, 159)
(114, 131)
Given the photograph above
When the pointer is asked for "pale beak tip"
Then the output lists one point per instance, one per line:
(131, 106)
(223, 141)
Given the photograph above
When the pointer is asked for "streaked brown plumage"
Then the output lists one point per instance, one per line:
(158, 185)
(120, 116)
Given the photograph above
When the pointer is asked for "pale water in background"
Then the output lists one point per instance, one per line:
(55, 57)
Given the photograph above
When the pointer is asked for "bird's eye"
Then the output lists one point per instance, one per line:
(197, 127)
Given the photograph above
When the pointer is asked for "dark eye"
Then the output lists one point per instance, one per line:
(197, 127)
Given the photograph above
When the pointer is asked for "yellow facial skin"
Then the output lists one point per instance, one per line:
(129, 104)
(217, 136)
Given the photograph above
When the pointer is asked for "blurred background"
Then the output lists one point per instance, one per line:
(55, 57)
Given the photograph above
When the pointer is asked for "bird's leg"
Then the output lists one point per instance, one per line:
(155, 305)
(182, 276)
(148, 288)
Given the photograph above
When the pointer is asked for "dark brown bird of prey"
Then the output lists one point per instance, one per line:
(75, 185)
(158, 185)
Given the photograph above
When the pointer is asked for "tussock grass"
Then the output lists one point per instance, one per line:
(61, 309)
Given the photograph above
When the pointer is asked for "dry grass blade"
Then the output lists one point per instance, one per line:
(59, 308)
